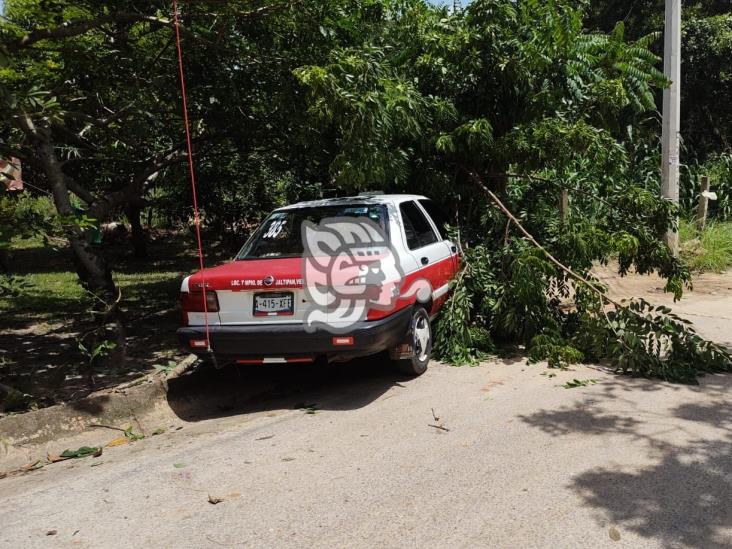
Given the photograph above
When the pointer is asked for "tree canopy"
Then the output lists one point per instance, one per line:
(519, 101)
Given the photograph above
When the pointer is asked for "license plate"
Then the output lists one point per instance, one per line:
(273, 304)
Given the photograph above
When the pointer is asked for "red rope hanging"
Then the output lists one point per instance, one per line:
(196, 217)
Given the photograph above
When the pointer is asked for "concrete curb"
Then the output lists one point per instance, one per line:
(112, 406)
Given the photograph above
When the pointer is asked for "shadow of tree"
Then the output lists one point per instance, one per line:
(713, 414)
(580, 418)
(684, 499)
(39, 259)
(39, 353)
(684, 496)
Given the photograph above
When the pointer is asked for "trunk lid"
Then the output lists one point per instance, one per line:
(236, 284)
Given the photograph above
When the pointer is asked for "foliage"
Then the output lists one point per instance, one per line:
(165, 368)
(96, 351)
(84, 451)
(130, 434)
(575, 383)
(96, 85)
(21, 216)
(375, 109)
(706, 57)
(707, 84)
(555, 351)
(644, 340)
(527, 91)
(457, 337)
(634, 338)
(709, 249)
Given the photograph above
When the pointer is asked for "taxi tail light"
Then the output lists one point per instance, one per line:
(192, 302)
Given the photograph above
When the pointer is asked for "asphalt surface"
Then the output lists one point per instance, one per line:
(525, 463)
(497, 455)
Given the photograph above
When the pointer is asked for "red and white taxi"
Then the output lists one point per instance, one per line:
(259, 305)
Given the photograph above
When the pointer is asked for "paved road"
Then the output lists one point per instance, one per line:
(525, 463)
(521, 462)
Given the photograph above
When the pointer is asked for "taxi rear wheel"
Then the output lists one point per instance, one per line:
(419, 337)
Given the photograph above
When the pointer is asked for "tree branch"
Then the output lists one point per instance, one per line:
(264, 10)
(136, 188)
(80, 191)
(544, 179)
(584, 281)
(7, 150)
(74, 27)
(541, 248)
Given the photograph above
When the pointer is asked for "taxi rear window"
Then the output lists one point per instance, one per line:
(279, 235)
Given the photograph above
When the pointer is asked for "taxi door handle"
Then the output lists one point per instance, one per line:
(425, 261)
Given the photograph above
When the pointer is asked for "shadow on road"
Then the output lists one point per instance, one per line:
(683, 497)
(207, 393)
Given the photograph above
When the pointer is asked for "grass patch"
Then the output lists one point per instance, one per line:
(59, 293)
(44, 295)
(50, 289)
(709, 249)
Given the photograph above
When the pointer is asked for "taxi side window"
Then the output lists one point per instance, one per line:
(438, 215)
(417, 229)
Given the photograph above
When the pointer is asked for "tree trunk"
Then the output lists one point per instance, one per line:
(94, 273)
(93, 270)
(139, 239)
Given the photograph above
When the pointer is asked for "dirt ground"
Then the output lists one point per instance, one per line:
(708, 305)
(41, 328)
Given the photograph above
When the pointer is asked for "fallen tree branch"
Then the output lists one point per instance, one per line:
(102, 426)
(497, 201)
(531, 177)
(603, 296)
(654, 342)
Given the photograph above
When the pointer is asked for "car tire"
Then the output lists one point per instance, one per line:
(419, 336)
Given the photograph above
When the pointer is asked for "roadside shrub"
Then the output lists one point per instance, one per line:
(709, 249)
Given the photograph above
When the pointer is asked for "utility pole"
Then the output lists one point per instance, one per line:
(456, 6)
(671, 108)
